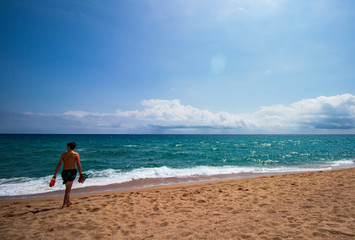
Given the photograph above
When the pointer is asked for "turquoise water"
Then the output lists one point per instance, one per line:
(27, 162)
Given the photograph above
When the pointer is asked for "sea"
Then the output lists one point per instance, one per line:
(115, 162)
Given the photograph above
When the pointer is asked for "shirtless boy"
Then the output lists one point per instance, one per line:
(70, 158)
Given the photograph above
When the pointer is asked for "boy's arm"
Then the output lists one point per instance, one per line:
(58, 166)
(78, 164)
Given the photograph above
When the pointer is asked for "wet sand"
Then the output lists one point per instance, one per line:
(313, 205)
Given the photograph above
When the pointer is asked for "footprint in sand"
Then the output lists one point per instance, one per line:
(164, 224)
(156, 208)
(271, 211)
(93, 209)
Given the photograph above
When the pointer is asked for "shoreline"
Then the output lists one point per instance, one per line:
(309, 205)
(140, 184)
(153, 182)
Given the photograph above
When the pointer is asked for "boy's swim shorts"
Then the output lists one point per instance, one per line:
(68, 175)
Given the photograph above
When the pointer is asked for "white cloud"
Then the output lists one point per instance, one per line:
(28, 113)
(321, 114)
(81, 114)
(337, 112)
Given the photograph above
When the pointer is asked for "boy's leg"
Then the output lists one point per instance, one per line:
(68, 186)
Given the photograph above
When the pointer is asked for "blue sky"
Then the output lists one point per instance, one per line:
(201, 66)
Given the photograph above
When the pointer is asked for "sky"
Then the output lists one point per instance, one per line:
(177, 66)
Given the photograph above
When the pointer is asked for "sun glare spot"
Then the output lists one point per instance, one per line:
(218, 63)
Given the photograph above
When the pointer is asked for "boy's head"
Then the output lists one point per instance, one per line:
(71, 145)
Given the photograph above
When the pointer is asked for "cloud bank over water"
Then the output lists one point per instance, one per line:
(334, 114)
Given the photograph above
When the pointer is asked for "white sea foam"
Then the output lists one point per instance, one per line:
(130, 146)
(346, 163)
(25, 186)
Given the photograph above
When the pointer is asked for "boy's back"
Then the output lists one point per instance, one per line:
(69, 159)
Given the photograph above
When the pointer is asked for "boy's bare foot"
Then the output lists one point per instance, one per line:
(67, 205)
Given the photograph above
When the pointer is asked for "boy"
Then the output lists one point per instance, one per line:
(70, 158)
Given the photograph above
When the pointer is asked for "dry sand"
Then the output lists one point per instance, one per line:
(314, 205)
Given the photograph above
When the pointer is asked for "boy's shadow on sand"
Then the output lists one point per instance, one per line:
(9, 215)
(43, 210)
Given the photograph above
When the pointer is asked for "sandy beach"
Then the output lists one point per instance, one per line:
(312, 205)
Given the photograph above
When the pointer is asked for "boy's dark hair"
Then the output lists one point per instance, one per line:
(71, 145)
